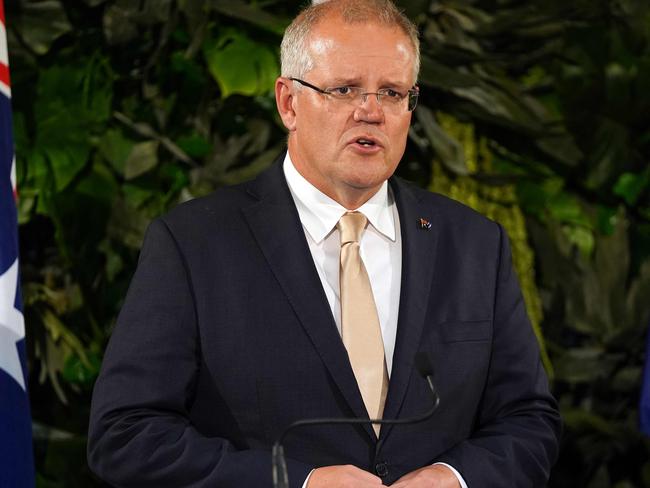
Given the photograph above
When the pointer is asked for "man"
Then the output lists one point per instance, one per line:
(308, 292)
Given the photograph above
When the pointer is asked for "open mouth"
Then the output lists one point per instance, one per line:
(365, 142)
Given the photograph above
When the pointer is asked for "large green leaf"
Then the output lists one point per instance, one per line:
(494, 104)
(629, 186)
(61, 137)
(115, 148)
(583, 365)
(245, 11)
(194, 145)
(610, 151)
(142, 158)
(67, 161)
(582, 238)
(120, 24)
(73, 102)
(445, 146)
(98, 184)
(82, 372)
(560, 147)
(580, 419)
(566, 208)
(127, 224)
(443, 77)
(240, 65)
(41, 23)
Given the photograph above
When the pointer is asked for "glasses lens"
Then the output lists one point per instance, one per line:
(345, 93)
(413, 100)
(387, 98)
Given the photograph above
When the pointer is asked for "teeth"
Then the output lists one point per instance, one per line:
(365, 142)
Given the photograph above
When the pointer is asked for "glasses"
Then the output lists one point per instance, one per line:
(388, 98)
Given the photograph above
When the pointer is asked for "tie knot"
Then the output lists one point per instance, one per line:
(351, 226)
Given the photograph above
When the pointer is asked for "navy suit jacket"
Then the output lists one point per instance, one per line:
(226, 337)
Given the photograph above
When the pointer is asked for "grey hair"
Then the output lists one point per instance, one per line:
(295, 56)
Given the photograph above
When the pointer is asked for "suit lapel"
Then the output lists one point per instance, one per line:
(275, 224)
(418, 253)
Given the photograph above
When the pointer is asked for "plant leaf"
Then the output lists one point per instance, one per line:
(446, 147)
(119, 22)
(240, 65)
(42, 23)
(629, 186)
(247, 12)
(116, 149)
(142, 158)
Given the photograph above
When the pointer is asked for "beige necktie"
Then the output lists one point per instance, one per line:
(359, 321)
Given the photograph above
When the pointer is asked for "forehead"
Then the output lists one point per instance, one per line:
(361, 49)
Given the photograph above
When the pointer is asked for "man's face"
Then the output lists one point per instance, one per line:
(324, 133)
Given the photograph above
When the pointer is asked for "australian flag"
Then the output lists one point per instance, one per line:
(16, 458)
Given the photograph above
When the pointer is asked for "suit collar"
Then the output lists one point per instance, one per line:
(418, 250)
(275, 224)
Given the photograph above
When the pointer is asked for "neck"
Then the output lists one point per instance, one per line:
(353, 199)
(346, 195)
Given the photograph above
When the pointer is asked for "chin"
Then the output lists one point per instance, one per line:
(367, 181)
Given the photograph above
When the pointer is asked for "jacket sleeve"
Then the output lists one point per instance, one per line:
(515, 439)
(140, 434)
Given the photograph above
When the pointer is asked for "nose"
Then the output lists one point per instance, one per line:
(370, 110)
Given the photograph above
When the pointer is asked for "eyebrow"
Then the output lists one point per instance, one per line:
(341, 81)
(346, 81)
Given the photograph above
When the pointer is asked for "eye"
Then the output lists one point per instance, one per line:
(342, 91)
(390, 93)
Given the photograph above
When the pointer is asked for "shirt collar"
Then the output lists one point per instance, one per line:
(319, 213)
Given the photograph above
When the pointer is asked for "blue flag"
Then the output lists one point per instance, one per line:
(16, 456)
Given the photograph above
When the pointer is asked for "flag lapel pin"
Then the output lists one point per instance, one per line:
(424, 224)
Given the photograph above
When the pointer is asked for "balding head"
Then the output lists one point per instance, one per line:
(296, 56)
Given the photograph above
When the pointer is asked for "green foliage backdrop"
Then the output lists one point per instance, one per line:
(534, 112)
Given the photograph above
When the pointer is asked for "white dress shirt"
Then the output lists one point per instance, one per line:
(380, 249)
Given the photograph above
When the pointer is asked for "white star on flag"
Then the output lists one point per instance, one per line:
(12, 325)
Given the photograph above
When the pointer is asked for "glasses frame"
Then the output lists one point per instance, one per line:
(412, 94)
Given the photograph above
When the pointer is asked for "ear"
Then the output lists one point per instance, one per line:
(284, 102)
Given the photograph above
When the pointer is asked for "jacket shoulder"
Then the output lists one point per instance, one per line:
(219, 205)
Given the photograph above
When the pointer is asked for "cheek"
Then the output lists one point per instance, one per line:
(321, 124)
(309, 130)
(400, 133)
